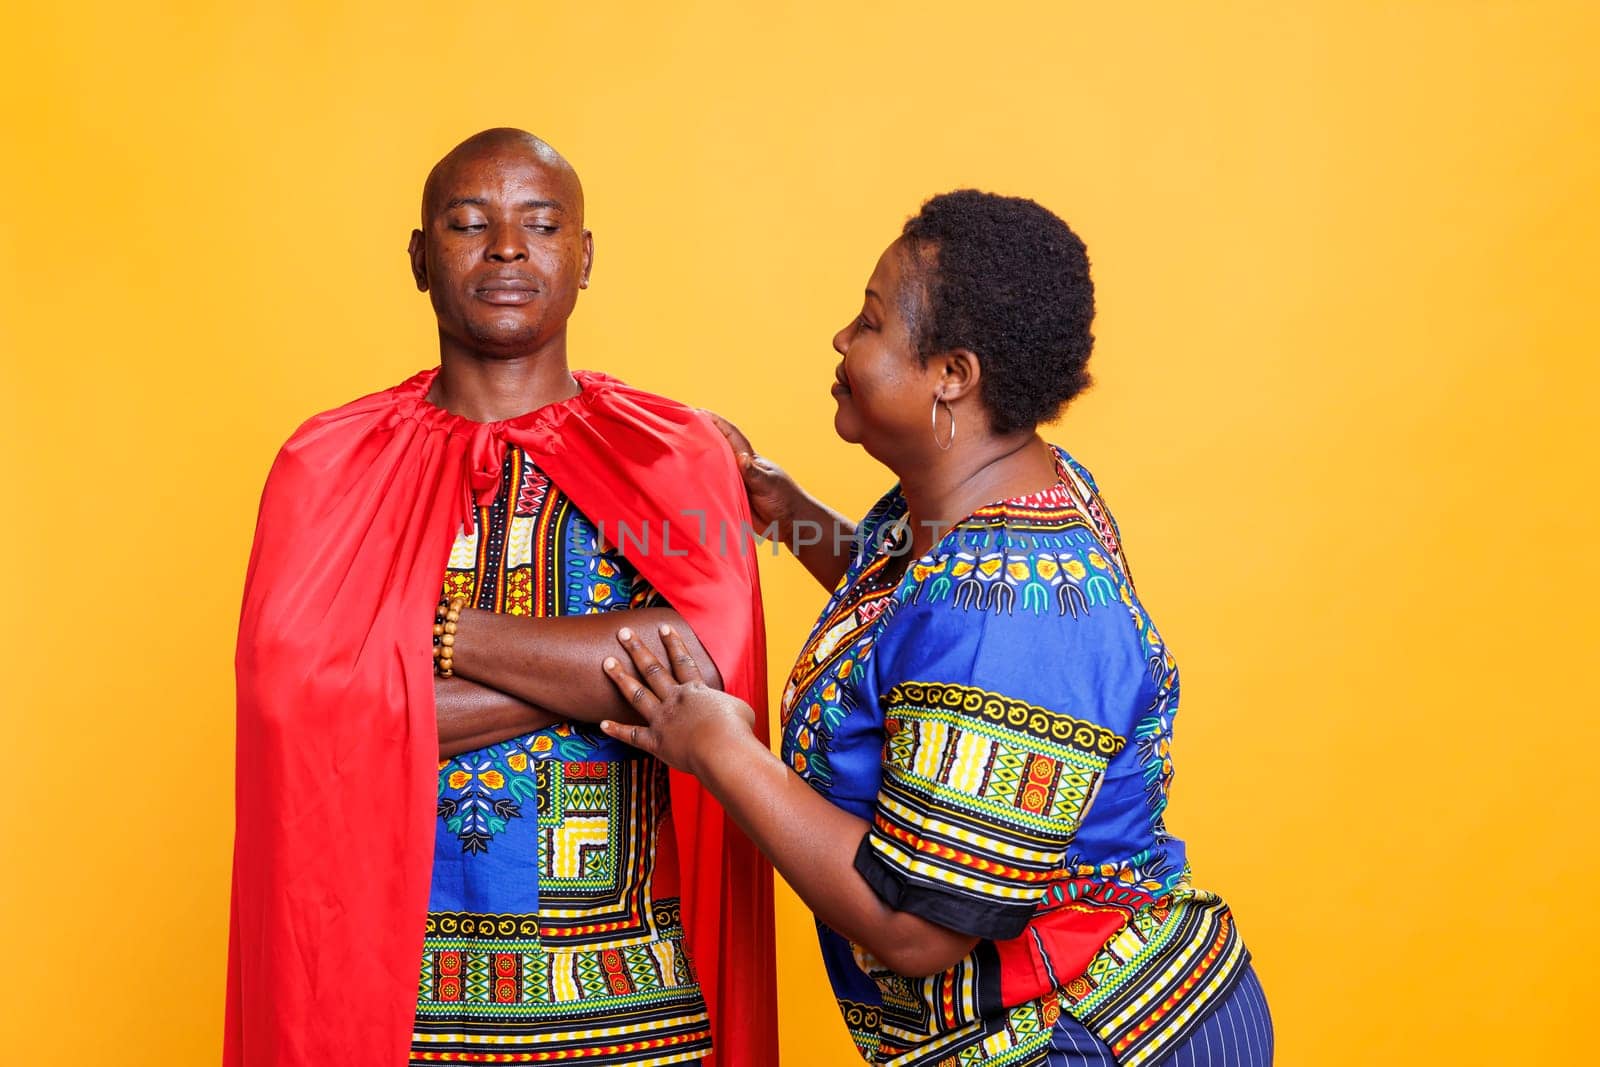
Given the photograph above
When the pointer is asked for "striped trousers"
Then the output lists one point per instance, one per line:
(1237, 1034)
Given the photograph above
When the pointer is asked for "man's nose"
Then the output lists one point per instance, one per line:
(507, 244)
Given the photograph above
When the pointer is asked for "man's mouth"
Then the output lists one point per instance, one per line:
(506, 291)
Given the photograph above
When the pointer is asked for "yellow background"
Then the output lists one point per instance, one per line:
(1346, 361)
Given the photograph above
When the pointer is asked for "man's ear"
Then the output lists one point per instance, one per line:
(959, 372)
(418, 251)
(588, 259)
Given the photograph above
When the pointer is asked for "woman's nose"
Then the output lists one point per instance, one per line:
(841, 340)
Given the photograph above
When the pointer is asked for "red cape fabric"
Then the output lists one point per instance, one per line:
(337, 743)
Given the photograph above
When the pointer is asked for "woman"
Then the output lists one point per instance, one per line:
(976, 736)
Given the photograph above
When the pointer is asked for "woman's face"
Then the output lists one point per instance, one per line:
(884, 392)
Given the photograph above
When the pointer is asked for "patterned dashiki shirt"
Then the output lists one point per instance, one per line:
(553, 928)
(1001, 715)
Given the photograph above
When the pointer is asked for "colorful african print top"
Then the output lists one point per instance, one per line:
(553, 930)
(1002, 716)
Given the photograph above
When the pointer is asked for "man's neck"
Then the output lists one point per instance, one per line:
(485, 389)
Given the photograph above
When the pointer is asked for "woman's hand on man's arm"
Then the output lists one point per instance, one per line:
(810, 841)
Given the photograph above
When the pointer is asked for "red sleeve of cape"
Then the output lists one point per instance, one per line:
(337, 744)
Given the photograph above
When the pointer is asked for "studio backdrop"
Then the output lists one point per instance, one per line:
(1345, 362)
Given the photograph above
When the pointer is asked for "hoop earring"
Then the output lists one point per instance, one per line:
(933, 421)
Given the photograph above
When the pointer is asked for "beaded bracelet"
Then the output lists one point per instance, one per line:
(445, 621)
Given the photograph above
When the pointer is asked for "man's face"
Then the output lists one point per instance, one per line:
(504, 252)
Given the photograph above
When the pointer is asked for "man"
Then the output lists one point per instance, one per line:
(535, 873)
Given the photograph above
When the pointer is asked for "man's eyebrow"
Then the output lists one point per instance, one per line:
(478, 201)
(874, 294)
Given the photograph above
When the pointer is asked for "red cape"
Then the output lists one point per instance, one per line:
(337, 743)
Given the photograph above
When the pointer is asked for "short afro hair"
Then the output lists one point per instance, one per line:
(1005, 278)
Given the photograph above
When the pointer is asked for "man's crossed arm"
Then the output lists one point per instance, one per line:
(515, 674)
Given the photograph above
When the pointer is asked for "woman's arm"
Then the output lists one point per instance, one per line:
(820, 538)
(550, 662)
(472, 716)
(811, 842)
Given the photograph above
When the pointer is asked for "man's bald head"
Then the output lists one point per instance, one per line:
(506, 146)
(502, 251)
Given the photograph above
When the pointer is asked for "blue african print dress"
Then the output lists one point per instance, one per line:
(553, 930)
(1001, 714)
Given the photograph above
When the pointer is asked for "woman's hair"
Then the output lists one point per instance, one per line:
(1005, 278)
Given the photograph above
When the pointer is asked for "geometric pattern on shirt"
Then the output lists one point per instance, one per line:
(634, 1005)
(598, 974)
(864, 1022)
(538, 557)
(982, 793)
(593, 864)
(1060, 571)
(1153, 983)
(1037, 554)
(826, 673)
(1047, 553)
(950, 1018)
(1055, 552)
(1153, 732)
(482, 790)
(922, 1020)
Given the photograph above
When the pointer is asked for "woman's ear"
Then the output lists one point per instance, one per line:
(959, 372)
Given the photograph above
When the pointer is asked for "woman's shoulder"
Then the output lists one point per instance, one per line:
(1077, 479)
(1067, 515)
(1050, 555)
(1030, 599)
